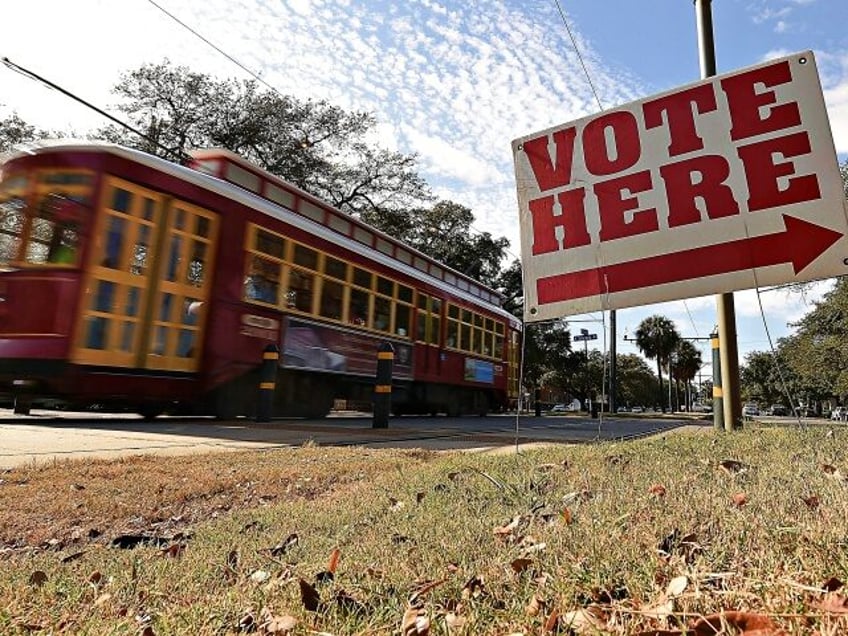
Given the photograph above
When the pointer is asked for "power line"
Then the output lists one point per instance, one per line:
(579, 56)
(179, 154)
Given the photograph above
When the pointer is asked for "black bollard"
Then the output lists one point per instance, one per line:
(537, 395)
(383, 385)
(267, 383)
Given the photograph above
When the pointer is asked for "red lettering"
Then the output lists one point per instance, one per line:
(682, 191)
(762, 173)
(572, 220)
(746, 104)
(548, 175)
(679, 116)
(625, 134)
(612, 207)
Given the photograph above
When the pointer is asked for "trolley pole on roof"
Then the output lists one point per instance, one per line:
(728, 351)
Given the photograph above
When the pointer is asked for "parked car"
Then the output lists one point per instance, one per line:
(778, 409)
(839, 413)
(637, 409)
(621, 409)
(750, 410)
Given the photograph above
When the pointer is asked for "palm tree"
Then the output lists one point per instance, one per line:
(687, 363)
(656, 338)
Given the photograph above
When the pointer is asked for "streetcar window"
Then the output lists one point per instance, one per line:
(361, 278)
(114, 242)
(262, 280)
(242, 177)
(385, 286)
(357, 312)
(420, 263)
(312, 211)
(121, 200)
(404, 256)
(95, 332)
(270, 244)
(435, 323)
(499, 344)
(382, 313)
(141, 250)
(104, 298)
(331, 299)
(384, 246)
(165, 307)
(127, 336)
(185, 343)
(174, 257)
(335, 268)
(452, 336)
(402, 319)
(150, 208)
(404, 293)
(179, 222)
(306, 257)
(453, 311)
(278, 195)
(133, 301)
(299, 295)
(12, 214)
(339, 224)
(201, 226)
(54, 233)
(363, 236)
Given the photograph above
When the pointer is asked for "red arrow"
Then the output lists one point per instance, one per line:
(800, 243)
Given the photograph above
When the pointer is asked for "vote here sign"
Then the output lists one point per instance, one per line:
(728, 183)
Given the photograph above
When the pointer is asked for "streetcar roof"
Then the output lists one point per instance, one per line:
(266, 206)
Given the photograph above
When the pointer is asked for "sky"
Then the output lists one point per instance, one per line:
(454, 81)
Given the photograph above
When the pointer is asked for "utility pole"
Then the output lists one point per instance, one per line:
(612, 366)
(725, 308)
(585, 336)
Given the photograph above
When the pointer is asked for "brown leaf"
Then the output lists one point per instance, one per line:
(103, 598)
(833, 603)
(419, 497)
(812, 501)
(732, 466)
(73, 556)
(748, 623)
(454, 621)
(334, 561)
(552, 621)
(38, 578)
(309, 596)
(415, 622)
(658, 490)
(174, 551)
(272, 624)
(96, 578)
(567, 517)
(510, 527)
(281, 548)
(833, 472)
(832, 584)
(233, 560)
(473, 588)
(535, 606)
(519, 565)
(586, 620)
(740, 499)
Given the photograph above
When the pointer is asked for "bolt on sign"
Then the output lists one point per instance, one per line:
(724, 184)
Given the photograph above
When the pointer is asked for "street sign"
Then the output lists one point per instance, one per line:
(585, 336)
(724, 184)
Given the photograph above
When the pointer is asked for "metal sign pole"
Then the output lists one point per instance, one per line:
(725, 307)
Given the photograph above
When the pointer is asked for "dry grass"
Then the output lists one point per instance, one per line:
(644, 537)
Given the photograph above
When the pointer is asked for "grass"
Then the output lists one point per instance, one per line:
(661, 536)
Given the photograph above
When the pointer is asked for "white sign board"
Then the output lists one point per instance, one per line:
(724, 184)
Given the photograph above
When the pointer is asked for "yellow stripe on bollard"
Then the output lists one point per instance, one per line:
(386, 355)
(383, 388)
(717, 392)
(270, 355)
(267, 385)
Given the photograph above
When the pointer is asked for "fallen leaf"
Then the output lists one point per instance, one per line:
(96, 578)
(233, 560)
(473, 588)
(732, 466)
(586, 620)
(285, 545)
(272, 624)
(740, 499)
(455, 621)
(660, 611)
(832, 584)
(103, 598)
(833, 603)
(174, 551)
(395, 505)
(812, 501)
(260, 576)
(415, 622)
(567, 517)
(676, 586)
(333, 563)
(748, 623)
(658, 490)
(309, 596)
(38, 578)
(510, 527)
(521, 564)
(73, 556)
(535, 606)
(419, 497)
(423, 588)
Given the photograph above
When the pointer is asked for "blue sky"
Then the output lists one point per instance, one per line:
(452, 80)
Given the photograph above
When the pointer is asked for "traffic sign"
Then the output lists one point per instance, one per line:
(585, 336)
(724, 184)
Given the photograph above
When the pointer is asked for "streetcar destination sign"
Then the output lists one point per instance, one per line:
(724, 184)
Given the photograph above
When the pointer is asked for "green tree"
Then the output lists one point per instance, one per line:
(686, 363)
(636, 383)
(14, 131)
(317, 146)
(656, 338)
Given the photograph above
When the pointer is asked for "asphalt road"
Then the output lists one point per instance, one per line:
(47, 436)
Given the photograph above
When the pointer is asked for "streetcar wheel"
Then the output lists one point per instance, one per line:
(150, 412)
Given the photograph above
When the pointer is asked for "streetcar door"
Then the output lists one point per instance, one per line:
(147, 282)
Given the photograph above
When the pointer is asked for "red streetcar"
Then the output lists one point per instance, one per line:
(131, 282)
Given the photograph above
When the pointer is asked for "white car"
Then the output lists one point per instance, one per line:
(750, 410)
(637, 409)
(839, 413)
